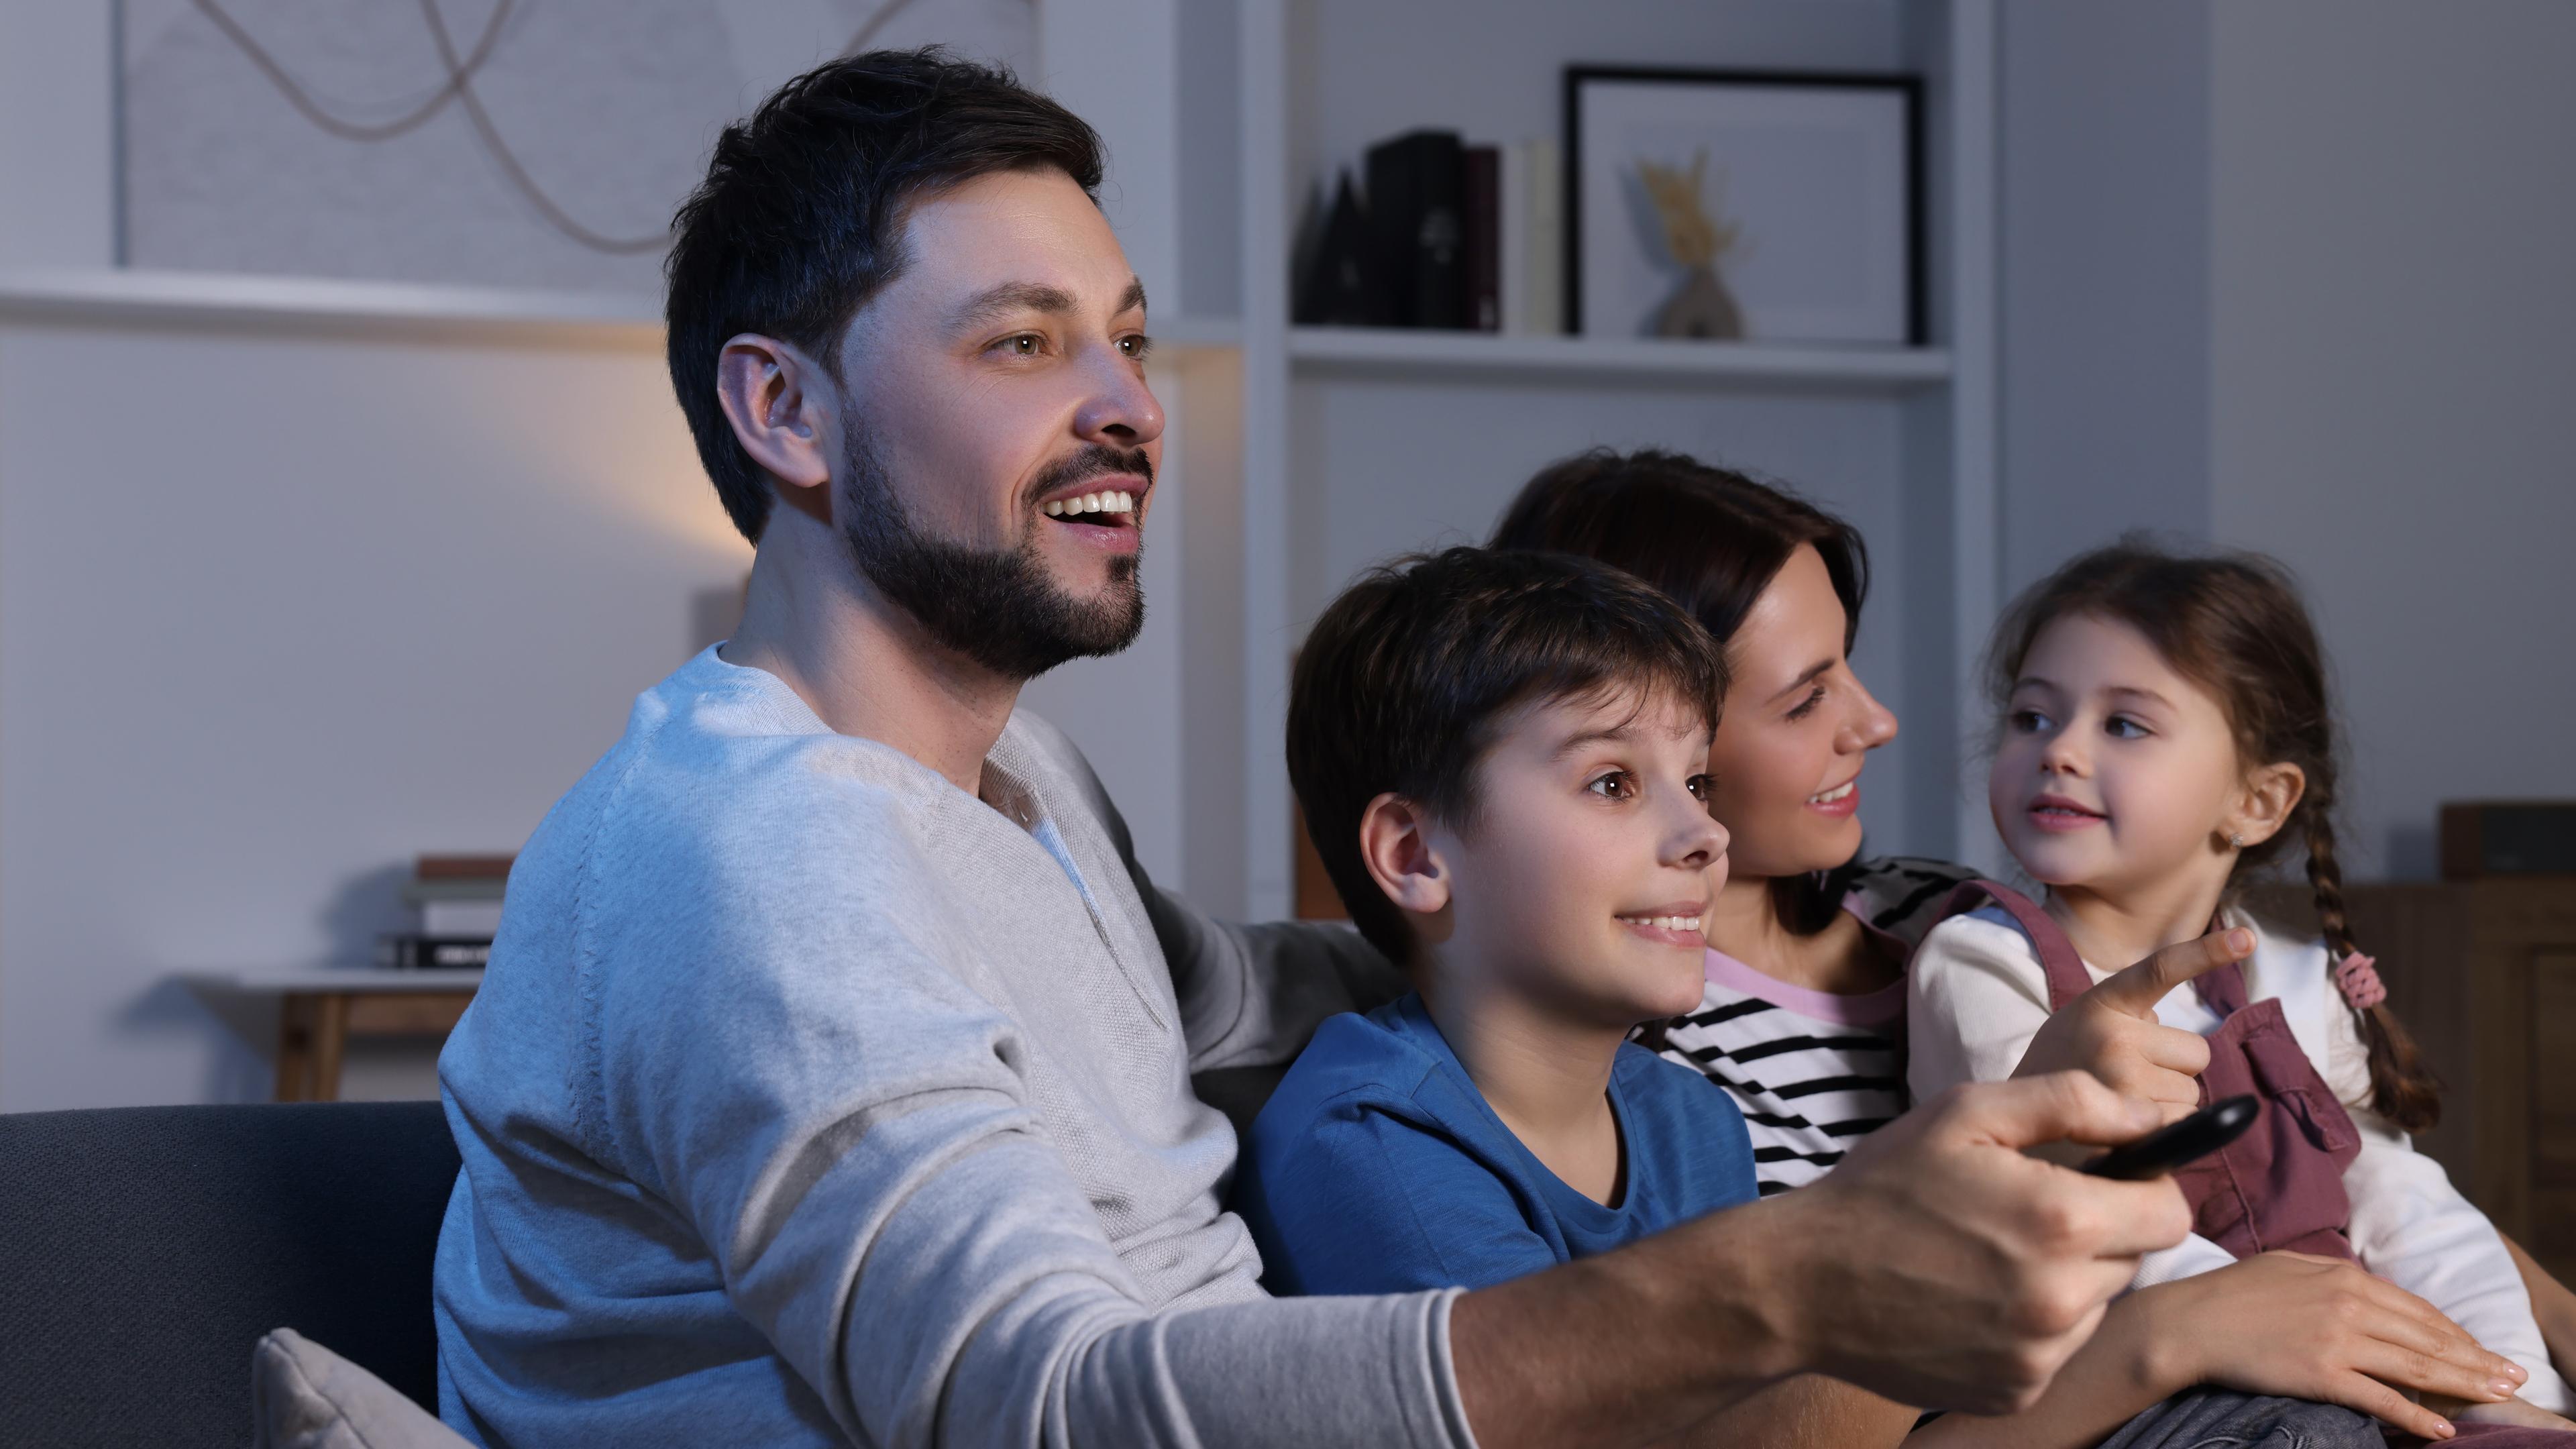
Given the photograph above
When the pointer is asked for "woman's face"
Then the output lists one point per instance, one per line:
(1785, 770)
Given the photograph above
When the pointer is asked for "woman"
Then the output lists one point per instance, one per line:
(1803, 1017)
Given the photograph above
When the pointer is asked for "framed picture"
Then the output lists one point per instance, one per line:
(1743, 205)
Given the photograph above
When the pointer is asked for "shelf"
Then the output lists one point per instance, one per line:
(1471, 356)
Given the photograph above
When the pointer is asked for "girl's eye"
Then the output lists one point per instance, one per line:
(1617, 785)
(1807, 706)
(2121, 727)
(1699, 787)
(2029, 721)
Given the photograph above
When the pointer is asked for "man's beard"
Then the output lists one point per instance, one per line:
(997, 608)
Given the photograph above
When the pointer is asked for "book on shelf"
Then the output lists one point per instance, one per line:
(1341, 285)
(1480, 191)
(1416, 185)
(456, 911)
(410, 951)
(1445, 236)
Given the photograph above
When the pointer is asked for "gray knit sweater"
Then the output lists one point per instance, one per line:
(810, 1100)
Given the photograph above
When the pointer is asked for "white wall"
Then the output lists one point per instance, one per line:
(2105, 243)
(2394, 357)
(283, 604)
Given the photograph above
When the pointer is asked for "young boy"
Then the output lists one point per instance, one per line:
(1500, 759)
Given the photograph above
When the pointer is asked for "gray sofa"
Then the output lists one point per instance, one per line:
(145, 1250)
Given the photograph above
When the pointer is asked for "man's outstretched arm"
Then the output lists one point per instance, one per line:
(1937, 1266)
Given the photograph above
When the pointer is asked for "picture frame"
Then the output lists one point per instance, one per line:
(1760, 206)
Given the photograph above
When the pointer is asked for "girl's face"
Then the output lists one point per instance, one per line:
(2116, 773)
(1784, 773)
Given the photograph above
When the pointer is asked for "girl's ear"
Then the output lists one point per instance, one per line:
(2263, 806)
(1395, 843)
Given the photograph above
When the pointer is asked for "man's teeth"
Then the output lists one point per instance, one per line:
(1839, 792)
(1113, 501)
(1669, 923)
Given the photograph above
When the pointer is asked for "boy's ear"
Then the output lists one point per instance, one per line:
(2271, 792)
(1395, 844)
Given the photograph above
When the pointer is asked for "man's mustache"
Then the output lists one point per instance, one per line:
(1093, 461)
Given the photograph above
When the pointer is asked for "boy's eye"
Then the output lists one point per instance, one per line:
(1699, 787)
(1807, 706)
(1617, 785)
(2029, 721)
(2122, 727)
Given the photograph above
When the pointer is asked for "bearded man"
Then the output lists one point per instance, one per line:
(830, 1083)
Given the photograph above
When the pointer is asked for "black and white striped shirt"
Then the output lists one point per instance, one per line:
(1813, 1072)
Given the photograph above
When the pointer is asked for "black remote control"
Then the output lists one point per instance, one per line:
(2163, 1150)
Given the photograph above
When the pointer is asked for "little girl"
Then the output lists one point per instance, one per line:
(2165, 734)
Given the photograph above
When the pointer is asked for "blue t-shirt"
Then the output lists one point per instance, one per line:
(1377, 1167)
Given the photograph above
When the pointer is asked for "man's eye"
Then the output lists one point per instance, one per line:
(1136, 347)
(1614, 786)
(1025, 344)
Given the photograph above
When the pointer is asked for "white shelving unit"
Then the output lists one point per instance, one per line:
(1356, 444)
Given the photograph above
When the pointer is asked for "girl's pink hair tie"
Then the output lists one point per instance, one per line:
(2357, 977)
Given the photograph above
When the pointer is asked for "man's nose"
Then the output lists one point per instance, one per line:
(1121, 411)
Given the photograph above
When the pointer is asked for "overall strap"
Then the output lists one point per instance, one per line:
(2067, 978)
(2222, 990)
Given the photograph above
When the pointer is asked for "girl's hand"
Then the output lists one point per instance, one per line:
(2319, 1328)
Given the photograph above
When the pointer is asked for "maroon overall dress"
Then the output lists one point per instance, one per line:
(2281, 1184)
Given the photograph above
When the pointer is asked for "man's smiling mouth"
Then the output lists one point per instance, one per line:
(1108, 508)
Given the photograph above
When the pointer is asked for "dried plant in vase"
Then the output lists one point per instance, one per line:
(1701, 306)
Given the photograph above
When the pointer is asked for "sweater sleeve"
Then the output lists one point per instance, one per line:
(1976, 996)
(1249, 995)
(843, 1122)
(2413, 1228)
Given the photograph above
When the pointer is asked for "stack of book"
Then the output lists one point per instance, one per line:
(456, 911)
(1443, 235)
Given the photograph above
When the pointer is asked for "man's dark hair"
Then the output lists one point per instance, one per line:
(1408, 677)
(800, 220)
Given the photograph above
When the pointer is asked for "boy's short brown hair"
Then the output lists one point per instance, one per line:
(1407, 677)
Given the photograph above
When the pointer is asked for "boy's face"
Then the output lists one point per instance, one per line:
(1591, 860)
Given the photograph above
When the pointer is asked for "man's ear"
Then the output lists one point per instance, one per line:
(2270, 793)
(1395, 843)
(780, 403)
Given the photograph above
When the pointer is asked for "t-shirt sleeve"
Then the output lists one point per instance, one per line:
(1371, 1200)
(1975, 996)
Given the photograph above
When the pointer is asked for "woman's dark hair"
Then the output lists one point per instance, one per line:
(1406, 678)
(2233, 624)
(1711, 538)
(800, 220)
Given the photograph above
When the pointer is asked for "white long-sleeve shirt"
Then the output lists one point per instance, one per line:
(1977, 995)
(811, 1100)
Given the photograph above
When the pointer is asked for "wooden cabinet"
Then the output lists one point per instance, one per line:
(2484, 973)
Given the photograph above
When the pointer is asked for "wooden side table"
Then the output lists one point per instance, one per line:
(320, 1011)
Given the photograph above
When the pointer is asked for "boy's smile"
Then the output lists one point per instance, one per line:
(1582, 878)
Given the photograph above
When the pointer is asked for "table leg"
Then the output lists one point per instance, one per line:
(294, 1046)
(330, 1041)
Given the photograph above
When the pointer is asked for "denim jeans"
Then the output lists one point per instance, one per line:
(2211, 1418)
